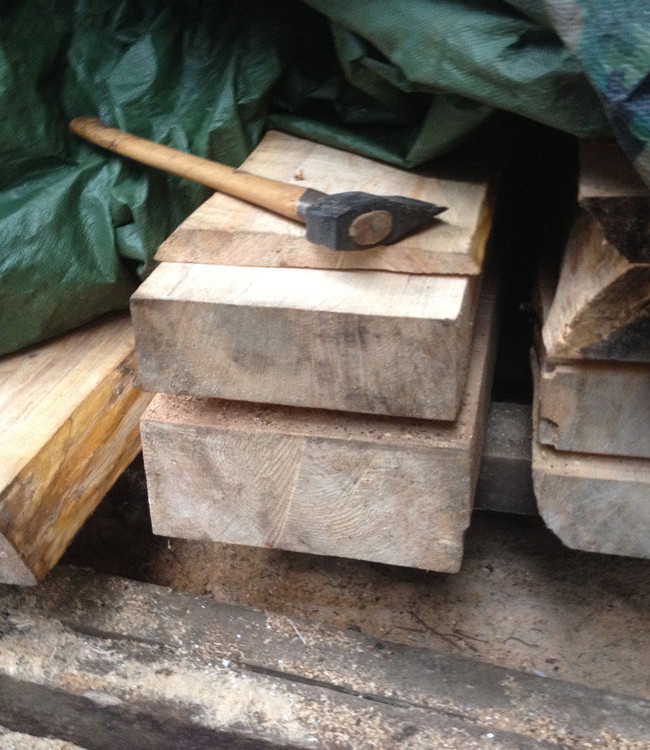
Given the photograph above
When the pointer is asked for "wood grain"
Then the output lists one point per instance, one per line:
(596, 407)
(612, 191)
(146, 667)
(389, 490)
(367, 341)
(69, 412)
(601, 308)
(226, 231)
(596, 503)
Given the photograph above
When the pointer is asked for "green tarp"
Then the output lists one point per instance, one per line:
(399, 80)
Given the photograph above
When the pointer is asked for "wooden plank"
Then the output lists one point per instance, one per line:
(69, 413)
(390, 490)
(589, 406)
(229, 232)
(596, 407)
(142, 666)
(612, 191)
(593, 502)
(361, 341)
(601, 308)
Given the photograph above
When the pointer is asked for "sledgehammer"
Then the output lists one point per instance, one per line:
(343, 221)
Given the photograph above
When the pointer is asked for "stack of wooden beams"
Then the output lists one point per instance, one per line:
(312, 400)
(591, 452)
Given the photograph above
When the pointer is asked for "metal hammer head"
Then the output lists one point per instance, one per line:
(356, 221)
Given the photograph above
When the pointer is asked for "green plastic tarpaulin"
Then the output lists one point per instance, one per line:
(399, 80)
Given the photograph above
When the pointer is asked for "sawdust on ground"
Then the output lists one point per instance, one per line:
(521, 600)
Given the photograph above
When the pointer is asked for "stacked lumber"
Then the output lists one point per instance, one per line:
(321, 401)
(69, 426)
(591, 452)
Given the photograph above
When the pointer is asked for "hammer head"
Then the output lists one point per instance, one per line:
(356, 221)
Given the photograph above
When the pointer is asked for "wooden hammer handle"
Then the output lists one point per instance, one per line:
(280, 197)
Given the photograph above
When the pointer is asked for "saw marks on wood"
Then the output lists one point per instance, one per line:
(69, 413)
(227, 231)
(389, 490)
(362, 341)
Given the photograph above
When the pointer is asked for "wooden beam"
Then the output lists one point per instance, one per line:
(371, 341)
(226, 231)
(390, 490)
(601, 308)
(596, 503)
(595, 407)
(612, 191)
(69, 425)
(143, 666)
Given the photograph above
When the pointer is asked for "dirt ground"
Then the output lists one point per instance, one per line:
(521, 600)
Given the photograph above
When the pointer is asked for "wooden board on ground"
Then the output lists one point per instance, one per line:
(595, 407)
(227, 231)
(375, 488)
(596, 503)
(69, 414)
(141, 666)
(360, 341)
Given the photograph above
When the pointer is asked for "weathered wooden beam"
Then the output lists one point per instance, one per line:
(612, 191)
(331, 483)
(595, 407)
(597, 503)
(505, 482)
(601, 308)
(69, 426)
(106, 662)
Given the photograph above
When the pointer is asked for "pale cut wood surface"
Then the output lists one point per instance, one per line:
(69, 413)
(362, 341)
(227, 231)
(592, 502)
(596, 407)
(374, 488)
(601, 307)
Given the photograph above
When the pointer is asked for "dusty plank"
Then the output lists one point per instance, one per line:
(230, 674)
(229, 232)
(595, 407)
(596, 503)
(69, 413)
(361, 341)
(390, 490)
(601, 306)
